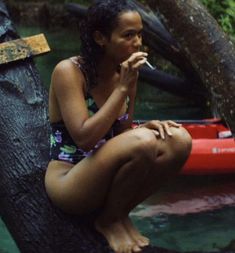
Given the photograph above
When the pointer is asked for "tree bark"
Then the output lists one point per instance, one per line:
(207, 47)
(35, 224)
(161, 41)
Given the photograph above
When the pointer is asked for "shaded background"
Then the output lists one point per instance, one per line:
(207, 224)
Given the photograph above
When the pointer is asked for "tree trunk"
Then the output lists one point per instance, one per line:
(206, 46)
(35, 224)
(161, 41)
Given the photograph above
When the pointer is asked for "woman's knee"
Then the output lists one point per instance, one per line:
(183, 137)
(181, 143)
(175, 151)
(145, 143)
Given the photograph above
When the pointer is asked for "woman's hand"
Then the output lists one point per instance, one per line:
(160, 128)
(130, 69)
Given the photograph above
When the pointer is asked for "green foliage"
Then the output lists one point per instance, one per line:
(224, 12)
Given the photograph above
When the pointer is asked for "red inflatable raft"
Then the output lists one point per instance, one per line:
(213, 149)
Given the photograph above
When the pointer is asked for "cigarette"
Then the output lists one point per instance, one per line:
(150, 65)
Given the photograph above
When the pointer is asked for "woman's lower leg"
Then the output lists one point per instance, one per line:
(113, 221)
(165, 167)
(144, 176)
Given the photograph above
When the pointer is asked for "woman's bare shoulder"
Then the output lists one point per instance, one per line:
(67, 73)
(65, 65)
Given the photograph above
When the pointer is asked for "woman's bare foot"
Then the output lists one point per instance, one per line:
(117, 237)
(141, 240)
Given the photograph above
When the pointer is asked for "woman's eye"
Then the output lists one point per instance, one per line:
(129, 35)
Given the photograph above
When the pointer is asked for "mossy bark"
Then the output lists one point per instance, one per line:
(207, 47)
(36, 225)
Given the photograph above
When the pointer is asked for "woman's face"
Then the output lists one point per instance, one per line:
(126, 38)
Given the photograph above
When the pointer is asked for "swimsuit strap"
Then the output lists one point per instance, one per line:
(91, 104)
(78, 61)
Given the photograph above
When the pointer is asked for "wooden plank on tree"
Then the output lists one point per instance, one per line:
(20, 49)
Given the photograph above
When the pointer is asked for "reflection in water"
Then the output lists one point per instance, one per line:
(203, 232)
(190, 199)
(191, 214)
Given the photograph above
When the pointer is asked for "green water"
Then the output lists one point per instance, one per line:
(7, 245)
(201, 232)
(184, 233)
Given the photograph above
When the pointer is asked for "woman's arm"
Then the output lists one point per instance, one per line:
(126, 125)
(68, 84)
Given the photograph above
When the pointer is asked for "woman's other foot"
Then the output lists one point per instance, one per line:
(117, 236)
(141, 240)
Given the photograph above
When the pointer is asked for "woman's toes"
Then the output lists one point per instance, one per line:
(136, 248)
(142, 242)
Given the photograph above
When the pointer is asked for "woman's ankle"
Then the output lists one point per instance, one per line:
(103, 221)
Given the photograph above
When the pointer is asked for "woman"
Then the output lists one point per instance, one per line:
(98, 162)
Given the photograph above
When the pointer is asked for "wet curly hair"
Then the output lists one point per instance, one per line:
(101, 16)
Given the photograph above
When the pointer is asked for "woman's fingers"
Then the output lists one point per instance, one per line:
(133, 62)
(136, 56)
(138, 64)
(129, 69)
(156, 132)
(167, 128)
(161, 128)
(157, 127)
(173, 123)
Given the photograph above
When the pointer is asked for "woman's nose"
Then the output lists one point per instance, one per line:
(138, 41)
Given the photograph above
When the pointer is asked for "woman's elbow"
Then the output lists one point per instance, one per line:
(84, 143)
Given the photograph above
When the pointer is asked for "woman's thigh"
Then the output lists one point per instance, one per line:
(84, 186)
